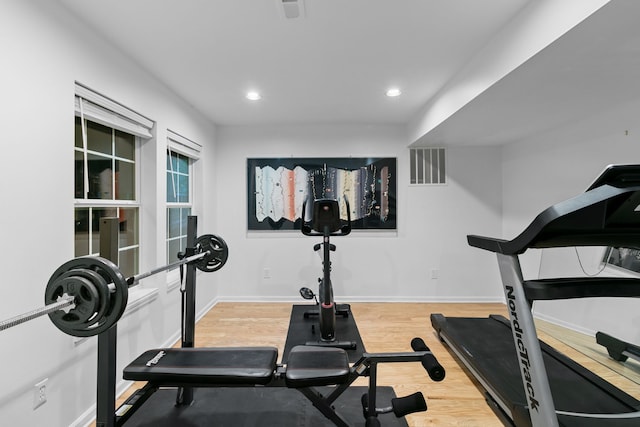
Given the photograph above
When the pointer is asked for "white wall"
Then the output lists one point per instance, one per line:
(534, 28)
(553, 167)
(44, 50)
(432, 222)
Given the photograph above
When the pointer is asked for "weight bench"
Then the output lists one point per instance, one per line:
(201, 367)
(307, 367)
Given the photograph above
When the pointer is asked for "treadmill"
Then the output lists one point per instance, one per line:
(527, 382)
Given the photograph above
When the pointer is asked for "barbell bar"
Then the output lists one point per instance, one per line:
(212, 256)
(87, 295)
(133, 280)
(65, 302)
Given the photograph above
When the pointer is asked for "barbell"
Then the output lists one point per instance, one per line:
(87, 295)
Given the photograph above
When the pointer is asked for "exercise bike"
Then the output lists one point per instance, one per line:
(326, 222)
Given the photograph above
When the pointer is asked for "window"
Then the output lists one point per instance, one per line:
(178, 203)
(181, 154)
(107, 141)
(427, 166)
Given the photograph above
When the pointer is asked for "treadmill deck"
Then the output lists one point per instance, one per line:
(486, 345)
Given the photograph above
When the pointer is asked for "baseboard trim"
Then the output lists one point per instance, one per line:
(354, 299)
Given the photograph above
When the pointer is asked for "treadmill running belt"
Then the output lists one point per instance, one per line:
(487, 345)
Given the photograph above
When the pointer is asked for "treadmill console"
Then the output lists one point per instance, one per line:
(619, 176)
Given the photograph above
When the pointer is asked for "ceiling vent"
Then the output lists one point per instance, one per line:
(291, 9)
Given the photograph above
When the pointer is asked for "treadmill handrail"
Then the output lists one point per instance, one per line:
(581, 287)
(618, 349)
(593, 218)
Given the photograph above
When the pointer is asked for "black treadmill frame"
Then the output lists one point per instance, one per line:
(605, 215)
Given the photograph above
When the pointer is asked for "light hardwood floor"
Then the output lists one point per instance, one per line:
(385, 327)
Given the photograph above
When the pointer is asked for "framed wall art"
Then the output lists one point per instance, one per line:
(278, 187)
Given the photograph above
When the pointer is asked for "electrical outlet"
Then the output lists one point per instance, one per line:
(266, 273)
(435, 273)
(40, 393)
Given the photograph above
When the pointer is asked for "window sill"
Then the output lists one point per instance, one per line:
(138, 297)
(173, 281)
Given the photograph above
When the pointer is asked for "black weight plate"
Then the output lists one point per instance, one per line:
(117, 300)
(217, 256)
(99, 306)
(85, 297)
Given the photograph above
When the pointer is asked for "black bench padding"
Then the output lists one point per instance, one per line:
(310, 366)
(205, 367)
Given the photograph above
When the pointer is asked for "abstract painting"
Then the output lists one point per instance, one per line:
(278, 188)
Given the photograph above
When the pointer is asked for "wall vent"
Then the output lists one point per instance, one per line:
(427, 166)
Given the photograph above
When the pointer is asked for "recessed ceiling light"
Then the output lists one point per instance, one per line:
(253, 96)
(393, 92)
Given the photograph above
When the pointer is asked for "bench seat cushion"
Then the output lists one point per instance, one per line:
(309, 366)
(204, 366)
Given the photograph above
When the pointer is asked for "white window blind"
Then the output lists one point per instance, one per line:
(98, 108)
(179, 144)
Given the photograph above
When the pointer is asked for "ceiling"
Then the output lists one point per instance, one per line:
(332, 64)
(335, 61)
(591, 71)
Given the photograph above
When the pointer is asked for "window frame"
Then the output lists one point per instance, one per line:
(178, 205)
(113, 202)
(186, 148)
(91, 106)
